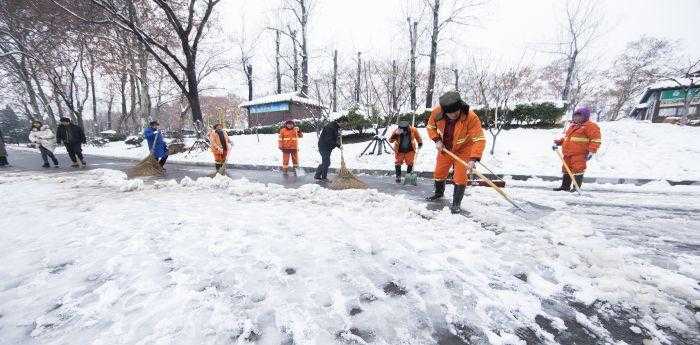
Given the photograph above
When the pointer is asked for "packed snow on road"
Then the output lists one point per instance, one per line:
(93, 258)
(630, 149)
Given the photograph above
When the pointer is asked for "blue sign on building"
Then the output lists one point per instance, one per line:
(269, 107)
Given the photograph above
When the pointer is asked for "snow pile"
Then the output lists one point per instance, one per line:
(109, 178)
(216, 260)
(630, 149)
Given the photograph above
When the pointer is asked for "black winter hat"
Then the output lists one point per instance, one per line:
(64, 119)
(451, 102)
(342, 119)
(403, 124)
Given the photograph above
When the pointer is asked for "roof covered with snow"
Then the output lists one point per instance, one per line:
(282, 97)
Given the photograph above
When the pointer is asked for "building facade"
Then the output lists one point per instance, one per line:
(667, 103)
(279, 108)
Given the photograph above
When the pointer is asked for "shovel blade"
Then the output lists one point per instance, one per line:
(531, 211)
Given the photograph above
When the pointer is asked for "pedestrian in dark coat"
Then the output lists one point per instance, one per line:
(3, 151)
(156, 144)
(73, 137)
(327, 141)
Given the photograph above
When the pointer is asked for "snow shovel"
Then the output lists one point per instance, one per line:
(412, 177)
(534, 207)
(568, 171)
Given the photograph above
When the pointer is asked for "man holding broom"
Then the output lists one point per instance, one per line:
(156, 144)
(327, 141)
(580, 143)
(220, 145)
(454, 127)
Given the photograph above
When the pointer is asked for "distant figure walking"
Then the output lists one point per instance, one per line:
(73, 137)
(45, 140)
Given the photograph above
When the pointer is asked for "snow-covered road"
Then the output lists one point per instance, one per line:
(89, 257)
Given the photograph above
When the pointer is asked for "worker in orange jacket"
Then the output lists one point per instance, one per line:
(454, 127)
(405, 139)
(580, 143)
(220, 145)
(288, 143)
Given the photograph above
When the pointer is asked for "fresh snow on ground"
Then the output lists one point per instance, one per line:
(630, 149)
(93, 258)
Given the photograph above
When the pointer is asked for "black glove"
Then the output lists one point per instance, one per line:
(420, 145)
(555, 147)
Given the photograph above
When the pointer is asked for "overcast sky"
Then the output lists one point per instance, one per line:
(506, 30)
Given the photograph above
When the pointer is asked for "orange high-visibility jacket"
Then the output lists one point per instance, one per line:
(288, 138)
(415, 139)
(468, 137)
(581, 139)
(216, 145)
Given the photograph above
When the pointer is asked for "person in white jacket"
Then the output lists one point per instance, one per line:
(45, 140)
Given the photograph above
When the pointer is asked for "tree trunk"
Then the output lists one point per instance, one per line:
(249, 78)
(394, 97)
(413, 33)
(335, 81)
(24, 73)
(193, 93)
(109, 110)
(277, 62)
(433, 55)
(456, 72)
(295, 69)
(146, 105)
(44, 100)
(122, 92)
(569, 77)
(92, 86)
(304, 51)
(358, 80)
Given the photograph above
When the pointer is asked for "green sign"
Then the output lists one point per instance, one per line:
(671, 97)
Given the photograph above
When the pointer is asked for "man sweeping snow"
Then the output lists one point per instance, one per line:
(45, 140)
(327, 141)
(454, 127)
(288, 143)
(156, 144)
(73, 137)
(580, 143)
(220, 145)
(405, 138)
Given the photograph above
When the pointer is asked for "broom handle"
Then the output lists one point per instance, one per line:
(486, 179)
(568, 171)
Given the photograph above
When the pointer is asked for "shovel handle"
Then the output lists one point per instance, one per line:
(568, 171)
(481, 176)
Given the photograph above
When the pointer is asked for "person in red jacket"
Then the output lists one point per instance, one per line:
(580, 143)
(455, 127)
(405, 139)
(289, 145)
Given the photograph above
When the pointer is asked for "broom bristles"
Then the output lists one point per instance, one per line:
(148, 166)
(345, 179)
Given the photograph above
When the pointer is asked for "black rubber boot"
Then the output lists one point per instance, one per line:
(565, 183)
(409, 169)
(46, 165)
(217, 166)
(398, 173)
(457, 199)
(439, 191)
(579, 180)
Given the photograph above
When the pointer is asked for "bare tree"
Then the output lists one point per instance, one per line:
(582, 26)
(413, 40)
(187, 22)
(635, 69)
(691, 72)
(301, 9)
(455, 13)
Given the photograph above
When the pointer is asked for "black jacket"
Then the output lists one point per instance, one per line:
(70, 134)
(330, 136)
